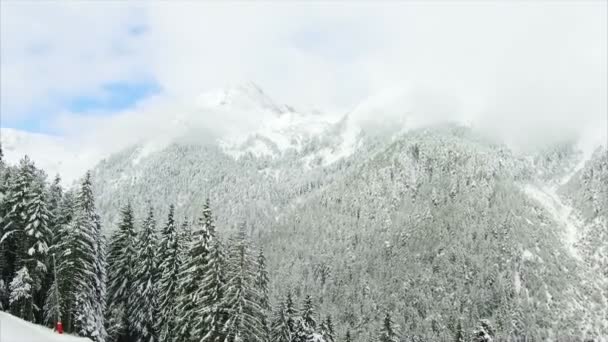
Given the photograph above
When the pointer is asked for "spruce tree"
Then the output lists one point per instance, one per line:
(307, 323)
(21, 289)
(241, 298)
(86, 259)
(38, 236)
(192, 274)
(53, 304)
(184, 238)
(61, 248)
(14, 219)
(121, 265)
(308, 313)
(145, 292)
(213, 293)
(327, 329)
(262, 282)
(484, 332)
(387, 333)
(280, 327)
(37, 232)
(55, 197)
(169, 269)
(291, 314)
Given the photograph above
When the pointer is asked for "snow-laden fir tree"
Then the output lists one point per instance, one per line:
(262, 281)
(53, 304)
(241, 297)
(37, 232)
(61, 246)
(307, 323)
(192, 274)
(290, 311)
(184, 238)
(387, 332)
(85, 259)
(121, 267)
(280, 330)
(213, 297)
(327, 329)
(145, 283)
(14, 219)
(37, 237)
(169, 268)
(55, 197)
(21, 293)
(483, 332)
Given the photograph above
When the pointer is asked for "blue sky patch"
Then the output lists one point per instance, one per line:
(114, 96)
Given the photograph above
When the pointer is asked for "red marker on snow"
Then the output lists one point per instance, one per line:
(59, 327)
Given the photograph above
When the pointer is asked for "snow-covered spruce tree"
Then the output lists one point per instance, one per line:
(387, 332)
(192, 273)
(14, 219)
(38, 235)
(291, 314)
(37, 232)
(307, 323)
(213, 287)
(169, 268)
(21, 289)
(484, 332)
(85, 256)
(54, 197)
(121, 258)
(327, 329)
(280, 327)
(184, 238)
(241, 298)
(62, 243)
(53, 304)
(145, 282)
(262, 281)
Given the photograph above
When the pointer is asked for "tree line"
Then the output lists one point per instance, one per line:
(173, 281)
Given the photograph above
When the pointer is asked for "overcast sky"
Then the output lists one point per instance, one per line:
(523, 71)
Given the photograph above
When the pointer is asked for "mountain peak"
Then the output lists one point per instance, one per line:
(241, 96)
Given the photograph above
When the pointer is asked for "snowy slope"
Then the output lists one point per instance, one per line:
(561, 212)
(13, 329)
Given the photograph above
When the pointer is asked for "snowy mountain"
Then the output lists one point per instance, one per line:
(433, 223)
(384, 209)
(13, 329)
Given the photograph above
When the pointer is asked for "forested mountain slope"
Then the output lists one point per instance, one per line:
(437, 225)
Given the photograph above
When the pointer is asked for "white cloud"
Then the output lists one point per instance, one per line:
(526, 72)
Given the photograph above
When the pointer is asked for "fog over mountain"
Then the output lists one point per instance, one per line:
(305, 172)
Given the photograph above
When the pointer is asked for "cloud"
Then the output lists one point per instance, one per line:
(528, 73)
(52, 51)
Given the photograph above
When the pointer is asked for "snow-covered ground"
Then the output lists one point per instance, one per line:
(560, 211)
(13, 329)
